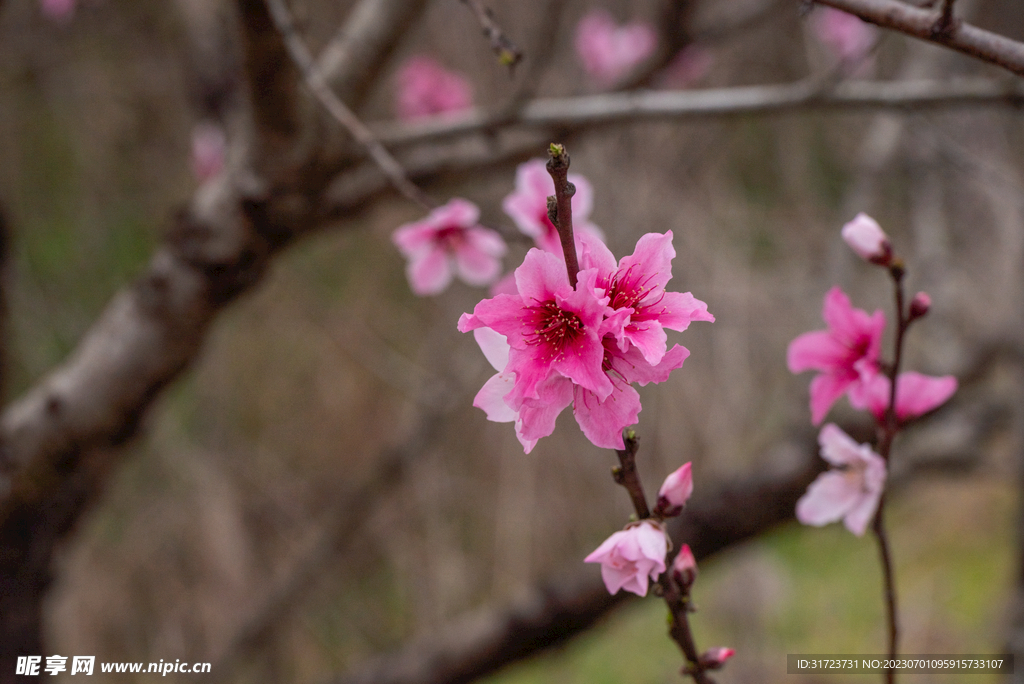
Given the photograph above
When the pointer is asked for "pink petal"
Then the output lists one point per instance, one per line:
(825, 391)
(837, 447)
(828, 499)
(494, 346)
(677, 310)
(632, 366)
(537, 416)
(491, 398)
(817, 350)
(475, 266)
(430, 273)
(425, 88)
(603, 421)
(917, 394)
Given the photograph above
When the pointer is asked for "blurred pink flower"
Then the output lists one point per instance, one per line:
(868, 240)
(920, 305)
(58, 10)
(675, 491)
(209, 147)
(608, 51)
(425, 88)
(527, 206)
(851, 491)
(844, 34)
(449, 241)
(916, 394)
(690, 65)
(846, 354)
(630, 557)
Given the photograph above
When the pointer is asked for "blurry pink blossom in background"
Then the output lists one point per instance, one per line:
(846, 355)
(608, 51)
(916, 394)
(425, 88)
(851, 491)
(449, 242)
(865, 237)
(690, 65)
(209, 147)
(846, 35)
(58, 10)
(527, 205)
(631, 557)
(676, 491)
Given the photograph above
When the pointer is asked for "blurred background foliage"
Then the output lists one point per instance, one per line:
(251, 474)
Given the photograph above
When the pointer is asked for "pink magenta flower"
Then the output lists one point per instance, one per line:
(608, 51)
(636, 290)
(846, 355)
(209, 148)
(916, 395)
(868, 240)
(527, 205)
(425, 88)
(850, 492)
(58, 10)
(449, 241)
(844, 34)
(630, 557)
(550, 327)
(675, 491)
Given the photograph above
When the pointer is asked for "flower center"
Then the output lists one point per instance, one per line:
(552, 327)
(450, 236)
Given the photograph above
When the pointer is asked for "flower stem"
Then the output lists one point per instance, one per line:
(890, 588)
(561, 213)
(677, 597)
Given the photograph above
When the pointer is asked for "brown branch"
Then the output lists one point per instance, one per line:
(931, 26)
(507, 52)
(302, 57)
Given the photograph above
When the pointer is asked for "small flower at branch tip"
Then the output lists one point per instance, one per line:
(425, 89)
(449, 242)
(632, 557)
(868, 240)
(714, 658)
(845, 355)
(849, 492)
(675, 492)
(684, 568)
(920, 305)
(608, 51)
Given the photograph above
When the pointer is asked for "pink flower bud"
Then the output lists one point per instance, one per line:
(868, 240)
(674, 493)
(920, 304)
(684, 568)
(714, 658)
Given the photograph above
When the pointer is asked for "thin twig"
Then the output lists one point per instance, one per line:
(508, 52)
(303, 58)
(558, 167)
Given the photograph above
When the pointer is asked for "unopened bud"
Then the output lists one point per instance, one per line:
(674, 492)
(919, 305)
(684, 568)
(868, 240)
(714, 658)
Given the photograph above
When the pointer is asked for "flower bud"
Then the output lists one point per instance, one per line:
(868, 240)
(919, 305)
(684, 568)
(674, 492)
(714, 658)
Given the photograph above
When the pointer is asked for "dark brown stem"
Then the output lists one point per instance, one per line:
(508, 53)
(946, 24)
(558, 167)
(890, 587)
(627, 476)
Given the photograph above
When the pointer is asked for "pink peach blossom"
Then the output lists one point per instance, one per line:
(58, 10)
(916, 395)
(868, 240)
(844, 34)
(631, 557)
(209, 148)
(425, 88)
(527, 206)
(608, 51)
(684, 567)
(846, 354)
(449, 241)
(675, 491)
(920, 305)
(714, 658)
(850, 492)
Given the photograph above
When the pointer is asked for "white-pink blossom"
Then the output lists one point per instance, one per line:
(449, 241)
(851, 491)
(631, 557)
(868, 240)
(608, 51)
(675, 491)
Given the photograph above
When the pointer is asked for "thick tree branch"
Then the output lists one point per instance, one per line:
(608, 108)
(933, 26)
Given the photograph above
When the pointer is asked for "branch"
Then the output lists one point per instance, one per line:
(932, 26)
(716, 102)
(302, 57)
(507, 52)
